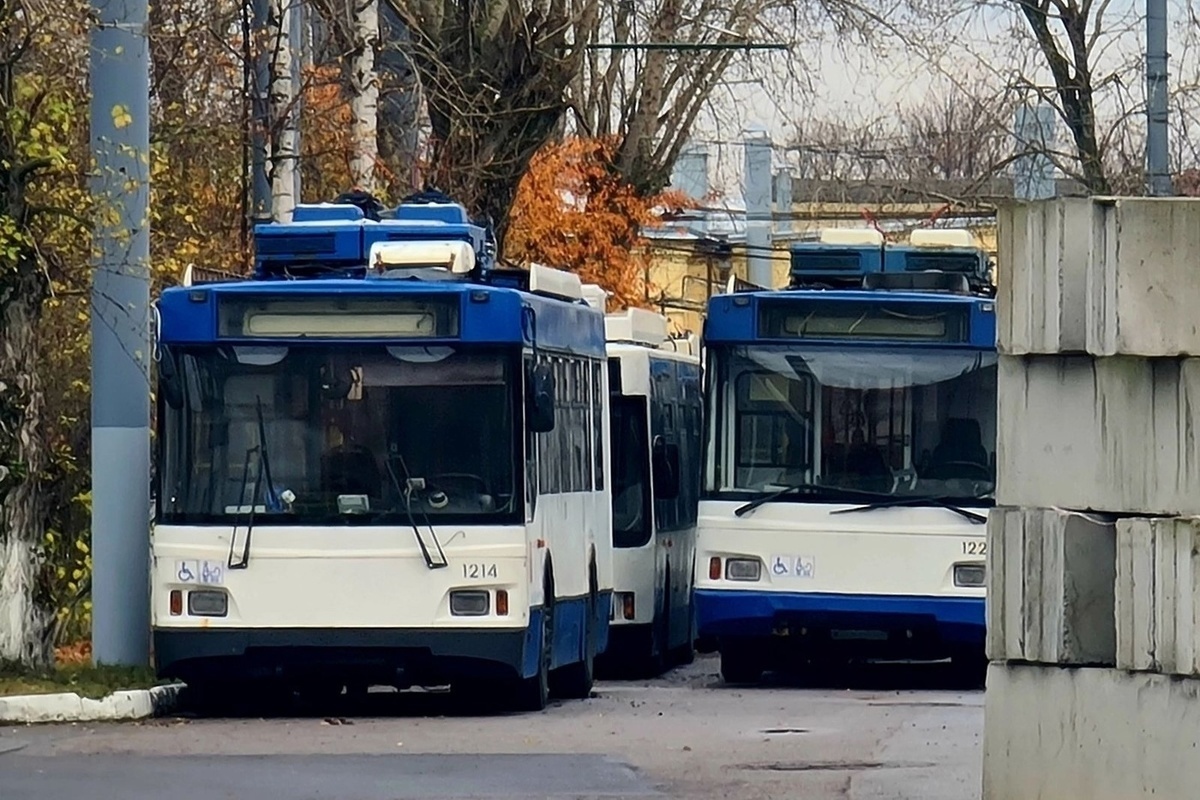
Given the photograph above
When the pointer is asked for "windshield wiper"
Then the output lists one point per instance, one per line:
(263, 473)
(940, 502)
(405, 493)
(812, 488)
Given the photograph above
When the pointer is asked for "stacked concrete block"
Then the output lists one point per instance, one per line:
(1157, 594)
(1142, 290)
(1042, 277)
(1118, 434)
(1094, 578)
(1050, 580)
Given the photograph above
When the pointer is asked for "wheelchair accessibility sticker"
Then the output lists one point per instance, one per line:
(209, 573)
(793, 566)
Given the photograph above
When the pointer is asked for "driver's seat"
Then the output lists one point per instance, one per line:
(961, 442)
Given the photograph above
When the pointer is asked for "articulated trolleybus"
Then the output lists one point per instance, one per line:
(656, 405)
(382, 461)
(850, 457)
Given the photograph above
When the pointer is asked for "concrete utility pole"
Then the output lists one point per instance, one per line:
(758, 206)
(121, 348)
(1033, 172)
(1158, 167)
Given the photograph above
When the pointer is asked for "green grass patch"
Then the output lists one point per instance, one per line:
(83, 679)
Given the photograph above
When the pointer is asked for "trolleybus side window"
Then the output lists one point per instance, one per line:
(565, 455)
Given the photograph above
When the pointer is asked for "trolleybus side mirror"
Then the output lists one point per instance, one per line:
(664, 459)
(539, 406)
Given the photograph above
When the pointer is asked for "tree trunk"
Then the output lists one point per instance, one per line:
(364, 94)
(285, 132)
(399, 106)
(25, 618)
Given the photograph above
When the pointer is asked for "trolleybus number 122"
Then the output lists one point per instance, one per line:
(975, 548)
(479, 570)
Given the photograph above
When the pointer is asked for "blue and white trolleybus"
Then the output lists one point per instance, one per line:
(850, 456)
(382, 460)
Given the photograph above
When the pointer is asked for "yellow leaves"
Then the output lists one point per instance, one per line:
(121, 117)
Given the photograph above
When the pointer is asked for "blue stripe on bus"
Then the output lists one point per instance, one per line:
(561, 325)
(721, 612)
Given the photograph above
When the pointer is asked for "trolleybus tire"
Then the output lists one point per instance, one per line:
(686, 653)
(970, 665)
(533, 693)
(575, 681)
(741, 666)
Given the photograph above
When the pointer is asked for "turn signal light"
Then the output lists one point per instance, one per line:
(627, 606)
(176, 602)
(501, 603)
(714, 568)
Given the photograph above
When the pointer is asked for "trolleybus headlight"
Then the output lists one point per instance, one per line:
(743, 569)
(973, 575)
(469, 603)
(208, 604)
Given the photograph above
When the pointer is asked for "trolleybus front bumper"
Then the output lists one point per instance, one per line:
(387, 656)
(856, 624)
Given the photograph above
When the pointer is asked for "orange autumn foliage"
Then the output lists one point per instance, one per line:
(574, 211)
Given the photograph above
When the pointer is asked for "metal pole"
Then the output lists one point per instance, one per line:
(260, 206)
(120, 134)
(758, 207)
(1033, 172)
(1158, 167)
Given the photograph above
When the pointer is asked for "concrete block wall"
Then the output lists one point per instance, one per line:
(1094, 547)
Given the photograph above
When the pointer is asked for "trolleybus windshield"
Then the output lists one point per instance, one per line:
(887, 421)
(341, 422)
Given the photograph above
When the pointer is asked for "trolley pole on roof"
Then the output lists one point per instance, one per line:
(121, 348)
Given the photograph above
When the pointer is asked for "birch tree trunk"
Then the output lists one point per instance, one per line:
(25, 622)
(285, 132)
(364, 93)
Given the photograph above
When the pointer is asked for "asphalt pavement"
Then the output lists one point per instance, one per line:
(874, 732)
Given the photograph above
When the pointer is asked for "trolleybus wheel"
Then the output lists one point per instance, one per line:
(533, 693)
(740, 666)
(575, 681)
(970, 665)
(686, 653)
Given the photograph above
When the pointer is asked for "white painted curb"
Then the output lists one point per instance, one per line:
(70, 707)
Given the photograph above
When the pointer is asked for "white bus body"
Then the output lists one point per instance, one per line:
(655, 403)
